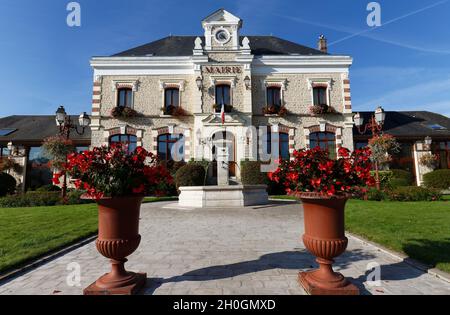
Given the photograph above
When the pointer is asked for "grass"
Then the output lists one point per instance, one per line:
(29, 233)
(421, 230)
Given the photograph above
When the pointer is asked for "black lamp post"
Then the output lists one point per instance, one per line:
(375, 125)
(65, 124)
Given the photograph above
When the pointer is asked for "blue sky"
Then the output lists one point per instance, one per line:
(402, 65)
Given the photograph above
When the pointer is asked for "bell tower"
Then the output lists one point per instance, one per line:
(222, 31)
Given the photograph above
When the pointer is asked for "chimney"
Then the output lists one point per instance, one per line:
(323, 44)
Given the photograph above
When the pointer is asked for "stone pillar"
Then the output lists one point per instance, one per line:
(222, 166)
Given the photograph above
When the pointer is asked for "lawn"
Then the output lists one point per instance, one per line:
(28, 233)
(421, 230)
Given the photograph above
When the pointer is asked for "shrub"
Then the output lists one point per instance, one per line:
(439, 179)
(31, 199)
(413, 193)
(251, 173)
(41, 198)
(376, 195)
(7, 184)
(74, 197)
(48, 188)
(192, 174)
(400, 178)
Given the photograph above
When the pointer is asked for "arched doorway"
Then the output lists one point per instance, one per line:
(220, 140)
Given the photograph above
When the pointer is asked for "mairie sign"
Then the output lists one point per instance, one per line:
(223, 69)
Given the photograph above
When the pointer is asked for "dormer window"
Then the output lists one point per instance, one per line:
(125, 97)
(320, 95)
(274, 96)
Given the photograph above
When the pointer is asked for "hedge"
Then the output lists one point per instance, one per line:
(191, 174)
(8, 184)
(401, 178)
(414, 193)
(251, 173)
(40, 198)
(439, 179)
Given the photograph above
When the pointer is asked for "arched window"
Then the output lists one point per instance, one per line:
(274, 96)
(125, 97)
(171, 147)
(129, 140)
(324, 140)
(223, 95)
(283, 144)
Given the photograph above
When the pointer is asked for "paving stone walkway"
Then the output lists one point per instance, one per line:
(255, 250)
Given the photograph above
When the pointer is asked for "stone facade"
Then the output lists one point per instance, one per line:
(248, 76)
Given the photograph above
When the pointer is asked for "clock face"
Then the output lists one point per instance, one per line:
(222, 36)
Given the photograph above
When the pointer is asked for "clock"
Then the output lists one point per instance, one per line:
(222, 36)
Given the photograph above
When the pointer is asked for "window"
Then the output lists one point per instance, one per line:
(81, 149)
(404, 158)
(324, 140)
(171, 147)
(129, 140)
(223, 95)
(283, 144)
(442, 149)
(4, 151)
(171, 97)
(38, 169)
(320, 95)
(125, 97)
(274, 96)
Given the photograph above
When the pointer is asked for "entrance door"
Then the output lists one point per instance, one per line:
(221, 139)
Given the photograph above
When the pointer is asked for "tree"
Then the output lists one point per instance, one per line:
(56, 149)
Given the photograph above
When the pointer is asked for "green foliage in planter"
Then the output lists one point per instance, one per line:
(251, 173)
(8, 184)
(414, 193)
(439, 179)
(192, 174)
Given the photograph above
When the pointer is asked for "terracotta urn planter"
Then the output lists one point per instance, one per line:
(118, 237)
(325, 238)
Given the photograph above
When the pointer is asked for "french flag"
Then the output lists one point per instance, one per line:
(222, 113)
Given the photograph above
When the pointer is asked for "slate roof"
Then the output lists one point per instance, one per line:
(36, 128)
(411, 124)
(173, 46)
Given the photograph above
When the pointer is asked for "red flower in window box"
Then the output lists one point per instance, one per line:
(123, 112)
(275, 110)
(322, 109)
(174, 111)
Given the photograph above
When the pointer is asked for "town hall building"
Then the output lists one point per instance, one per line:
(259, 94)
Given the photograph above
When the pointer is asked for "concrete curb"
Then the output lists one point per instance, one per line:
(404, 258)
(43, 260)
